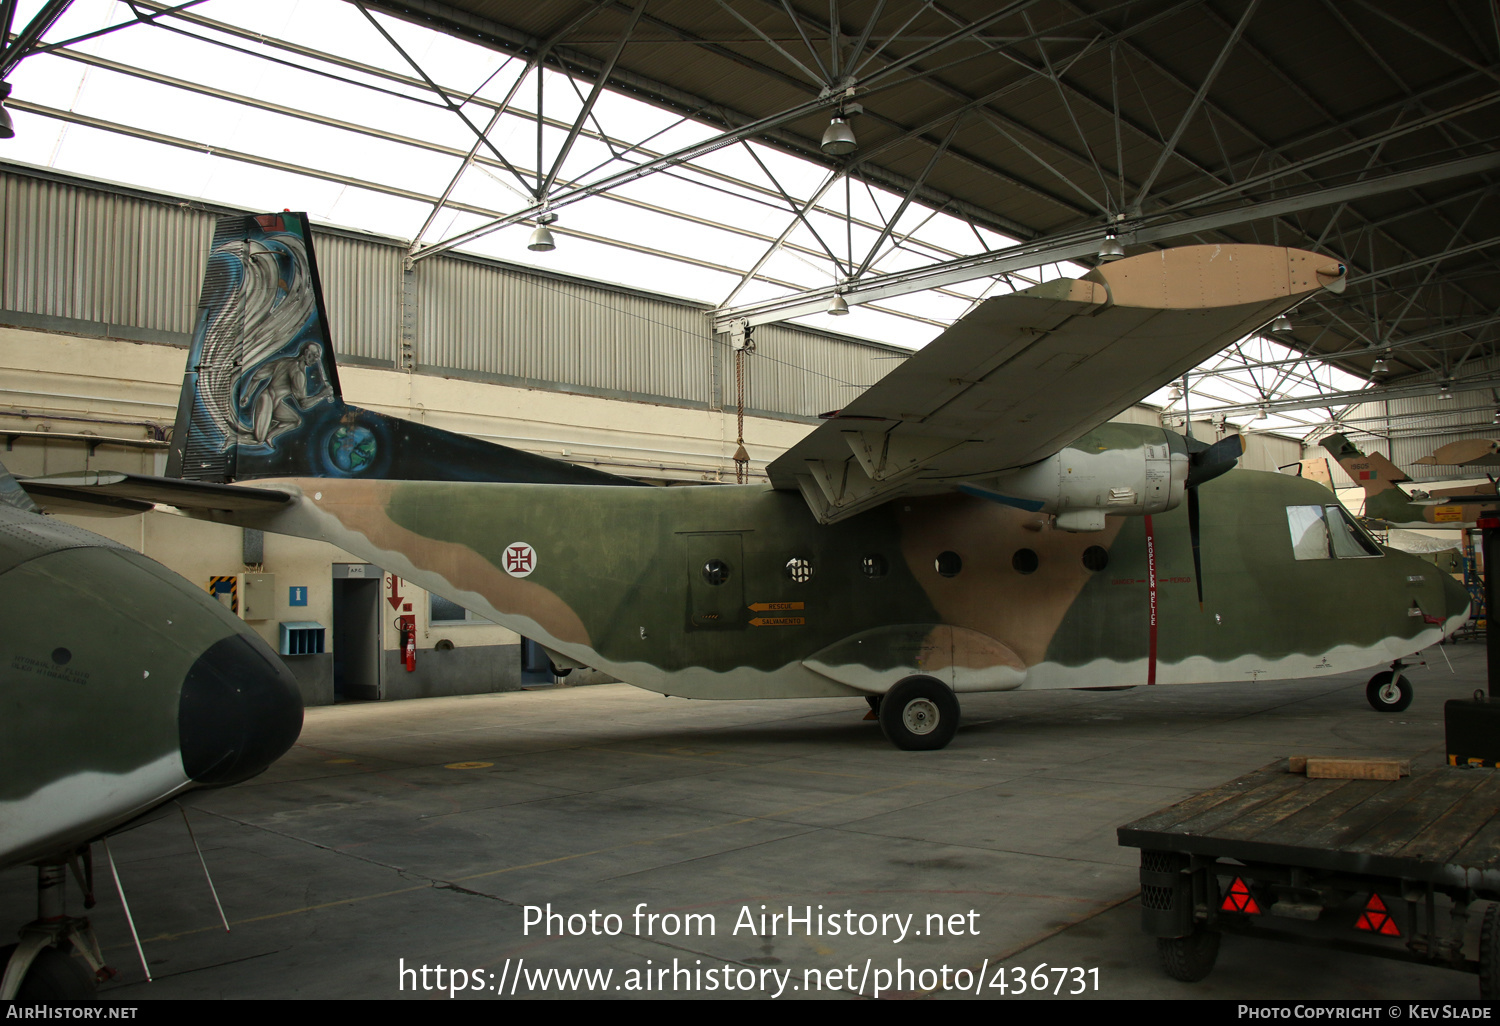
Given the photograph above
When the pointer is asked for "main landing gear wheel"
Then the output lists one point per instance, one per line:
(54, 975)
(1388, 692)
(1189, 958)
(919, 714)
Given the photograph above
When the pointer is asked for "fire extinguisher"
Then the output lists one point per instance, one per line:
(407, 625)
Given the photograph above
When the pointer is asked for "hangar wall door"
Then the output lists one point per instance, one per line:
(357, 594)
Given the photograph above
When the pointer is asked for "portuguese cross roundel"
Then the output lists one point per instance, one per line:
(520, 559)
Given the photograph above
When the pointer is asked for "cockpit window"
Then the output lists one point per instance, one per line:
(1327, 532)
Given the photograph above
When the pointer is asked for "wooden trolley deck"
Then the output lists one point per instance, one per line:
(1440, 827)
(1350, 864)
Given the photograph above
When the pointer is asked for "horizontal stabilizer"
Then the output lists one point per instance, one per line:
(136, 493)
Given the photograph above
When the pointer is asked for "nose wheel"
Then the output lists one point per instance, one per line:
(1388, 691)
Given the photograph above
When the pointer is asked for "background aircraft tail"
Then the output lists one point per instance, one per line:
(261, 396)
(1374, 473)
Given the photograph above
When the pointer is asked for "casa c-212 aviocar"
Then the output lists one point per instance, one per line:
(972, 522)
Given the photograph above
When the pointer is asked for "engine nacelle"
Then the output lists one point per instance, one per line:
(1115, 470)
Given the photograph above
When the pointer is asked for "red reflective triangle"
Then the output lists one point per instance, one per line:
(1239, 899)
(1376, 919)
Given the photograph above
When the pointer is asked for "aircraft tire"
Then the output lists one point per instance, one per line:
(919, 714)
(54, 976)
(1189, 958)
(1388, 692)
(1489, 953)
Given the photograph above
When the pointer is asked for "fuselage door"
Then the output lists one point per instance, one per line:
(716, 580)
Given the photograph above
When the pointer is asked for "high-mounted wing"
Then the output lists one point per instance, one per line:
(1024, 374)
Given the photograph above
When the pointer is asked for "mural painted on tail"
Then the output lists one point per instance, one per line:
(972, 522)
(262, 397)
(122, 686)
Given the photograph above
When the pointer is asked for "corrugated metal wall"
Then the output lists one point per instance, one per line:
(362, 292)
(80, 253)
(97, 256)
(788, 374)
(474, 316)
(1406, 430)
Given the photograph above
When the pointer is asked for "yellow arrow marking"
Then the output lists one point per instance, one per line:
(762, 607)
(777, 621)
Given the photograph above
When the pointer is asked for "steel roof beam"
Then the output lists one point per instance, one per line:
(26, 40)
(1373, 395)
(1078, 244)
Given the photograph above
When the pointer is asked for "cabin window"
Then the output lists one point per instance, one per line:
(1095, 558)
(948, 564)
(716, 571)
(874, 566)
(1025, 561)
(799, 569)
(1327, 532)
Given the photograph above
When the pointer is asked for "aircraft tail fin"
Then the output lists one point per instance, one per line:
(1374, 473)
(261, 396)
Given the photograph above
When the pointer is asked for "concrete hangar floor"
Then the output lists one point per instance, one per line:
(411, 834)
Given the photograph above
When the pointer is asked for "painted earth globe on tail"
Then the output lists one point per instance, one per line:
(351, 448)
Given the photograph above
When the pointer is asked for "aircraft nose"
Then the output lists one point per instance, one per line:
(239, 711)
(1455, 598)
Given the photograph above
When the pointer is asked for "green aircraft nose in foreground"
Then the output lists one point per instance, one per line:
(970, 523)
(121, 686)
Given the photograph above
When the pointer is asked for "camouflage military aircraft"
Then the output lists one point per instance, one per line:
(970, 523)
(122, 687)
(1387, 502)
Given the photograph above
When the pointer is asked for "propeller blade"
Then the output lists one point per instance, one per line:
(1192, 511)
(1206, 462)
(1211, 461)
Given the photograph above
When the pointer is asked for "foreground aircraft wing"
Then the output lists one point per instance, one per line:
(1024, 374)
(107, 491)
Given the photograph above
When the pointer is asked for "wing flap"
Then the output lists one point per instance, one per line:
(1024, 374)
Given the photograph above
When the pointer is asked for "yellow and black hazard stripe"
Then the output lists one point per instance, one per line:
(216, 586)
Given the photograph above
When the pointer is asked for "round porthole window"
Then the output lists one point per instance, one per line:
(874, 566)
(716, 571)
(799, 569)
(1095, 558)
(1025, 561)
(948, 564)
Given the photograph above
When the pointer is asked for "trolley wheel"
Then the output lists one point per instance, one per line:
(919, 714)
(1189, 958)
(1489, 953)
(1388, 692)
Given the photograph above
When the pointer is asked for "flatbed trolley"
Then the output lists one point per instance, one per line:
(1352, 865)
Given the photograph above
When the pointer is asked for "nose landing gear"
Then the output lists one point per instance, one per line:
(1388, 690)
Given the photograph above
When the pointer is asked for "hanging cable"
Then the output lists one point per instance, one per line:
(740, 339)
(741, 456)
